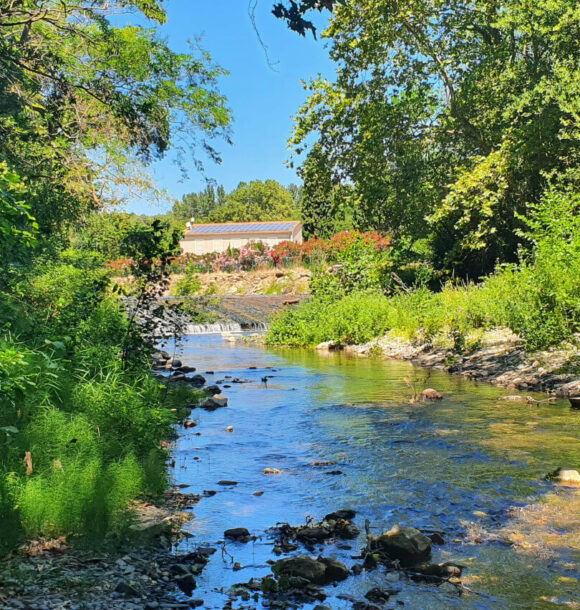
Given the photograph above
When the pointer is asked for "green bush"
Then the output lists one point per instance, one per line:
(188, 285)
(92, 426)
(538, 299)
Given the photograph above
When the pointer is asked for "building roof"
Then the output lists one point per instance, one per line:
(232, 228)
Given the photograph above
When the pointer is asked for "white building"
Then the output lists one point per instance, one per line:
(203, 238)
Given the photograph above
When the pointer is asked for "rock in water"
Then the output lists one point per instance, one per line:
(317, 571)
(213, 403)
(237, 533)
(335, 570)
(328, 346)
(196, 380)
(406, 544)
(345, 515)
(569, 477)
(186, 583)
(272, 471)
(432, 394)
(213, 389)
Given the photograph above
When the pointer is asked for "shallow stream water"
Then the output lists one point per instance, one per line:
(469, 466)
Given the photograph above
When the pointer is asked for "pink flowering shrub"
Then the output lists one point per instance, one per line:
(256, 255)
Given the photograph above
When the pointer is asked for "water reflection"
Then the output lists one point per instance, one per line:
(458, 465)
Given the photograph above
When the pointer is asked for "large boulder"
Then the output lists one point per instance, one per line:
(320, 571)
(407, 544)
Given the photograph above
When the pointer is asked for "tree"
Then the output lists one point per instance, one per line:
(198, 205)
(326, 205)
(84, 103)
(446, 118)
(256, 200)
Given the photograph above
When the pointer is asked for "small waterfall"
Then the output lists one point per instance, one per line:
(218, 327)
(223, 327)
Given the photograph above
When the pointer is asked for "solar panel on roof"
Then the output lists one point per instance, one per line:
(243, 228)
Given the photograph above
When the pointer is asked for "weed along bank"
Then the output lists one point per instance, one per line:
(204, 238)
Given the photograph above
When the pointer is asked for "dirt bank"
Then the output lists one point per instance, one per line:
(266, 281)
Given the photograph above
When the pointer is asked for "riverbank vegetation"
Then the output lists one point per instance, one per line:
(454, 130)
(85, 104)
(536, 298)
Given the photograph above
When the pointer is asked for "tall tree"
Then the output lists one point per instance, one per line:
(197, 205)
(447, 118)
(84, 102)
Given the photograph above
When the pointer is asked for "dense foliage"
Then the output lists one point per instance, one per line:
(538, 298)
(85, 104)
(80, 428)
(445, 122)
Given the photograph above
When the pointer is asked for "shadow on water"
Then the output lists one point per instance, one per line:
(459, 466)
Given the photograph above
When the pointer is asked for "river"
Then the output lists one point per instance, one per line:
(469, 466)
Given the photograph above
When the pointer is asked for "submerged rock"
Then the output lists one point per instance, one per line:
(440, 570)
(345, 515)
(406, 544)
(379, 596)
(272, 471)
(431, 394)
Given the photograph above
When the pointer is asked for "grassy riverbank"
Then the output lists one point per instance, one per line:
(82, 418)
(538, 299)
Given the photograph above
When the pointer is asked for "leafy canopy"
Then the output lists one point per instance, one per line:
(446, 119)
(85, 102)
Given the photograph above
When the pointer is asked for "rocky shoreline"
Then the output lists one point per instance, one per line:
(499, 358)
(147, 575)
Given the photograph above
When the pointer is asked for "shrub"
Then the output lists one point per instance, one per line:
(188, 285)
(92, 425)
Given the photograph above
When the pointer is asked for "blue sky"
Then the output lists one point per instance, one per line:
(262, 100)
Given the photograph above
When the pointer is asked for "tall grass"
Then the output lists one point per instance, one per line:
(90, 428)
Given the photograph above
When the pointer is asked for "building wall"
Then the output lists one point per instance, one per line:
(218, 243)
(297, 234)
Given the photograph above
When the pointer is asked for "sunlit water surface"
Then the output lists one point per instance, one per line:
(457, 466)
